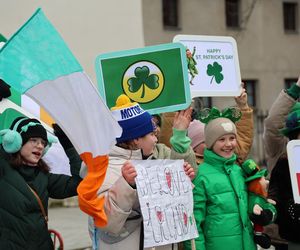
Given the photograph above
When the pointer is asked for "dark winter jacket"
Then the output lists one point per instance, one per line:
(22, 225)
(280, 181)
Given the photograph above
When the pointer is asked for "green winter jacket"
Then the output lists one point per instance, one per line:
(22, 225)
(221, 205)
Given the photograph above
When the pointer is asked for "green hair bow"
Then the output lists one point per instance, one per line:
(206, 115)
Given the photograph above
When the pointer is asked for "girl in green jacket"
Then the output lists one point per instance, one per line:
(220, 192)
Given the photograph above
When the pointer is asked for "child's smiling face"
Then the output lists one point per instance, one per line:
(225, 145)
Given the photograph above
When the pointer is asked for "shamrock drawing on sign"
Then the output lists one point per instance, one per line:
(142, 79)
(215, 71)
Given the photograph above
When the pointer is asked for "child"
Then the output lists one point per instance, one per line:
(196, 133)
(220, 192)
(138, 141)
(263, 212)
(244, 129)
(26, 185)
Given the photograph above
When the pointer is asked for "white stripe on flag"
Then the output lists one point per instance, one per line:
(30, 105)
(75, 104)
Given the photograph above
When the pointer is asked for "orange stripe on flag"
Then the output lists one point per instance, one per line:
(45, 117)
(88, 200)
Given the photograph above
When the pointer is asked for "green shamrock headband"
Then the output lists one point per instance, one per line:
(206, 115)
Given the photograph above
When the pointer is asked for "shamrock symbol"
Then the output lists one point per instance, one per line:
(215, 71)
(142, 78)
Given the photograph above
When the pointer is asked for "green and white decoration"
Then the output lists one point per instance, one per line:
(155, 77)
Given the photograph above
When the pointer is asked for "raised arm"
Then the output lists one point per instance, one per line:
(63, 186)
(180, 142)
(274, 142)
(244, 126)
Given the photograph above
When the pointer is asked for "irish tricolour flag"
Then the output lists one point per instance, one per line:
(37, 62)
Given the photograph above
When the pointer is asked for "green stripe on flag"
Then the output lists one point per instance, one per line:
(35, 53)
(15, 97)
(2, 38)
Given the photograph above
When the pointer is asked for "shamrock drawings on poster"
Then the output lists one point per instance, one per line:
(142, 79)
(166, 200)
(215, 70)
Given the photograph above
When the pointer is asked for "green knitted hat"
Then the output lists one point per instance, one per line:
(253, 171)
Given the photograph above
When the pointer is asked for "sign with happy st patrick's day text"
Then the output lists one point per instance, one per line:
(213, 65)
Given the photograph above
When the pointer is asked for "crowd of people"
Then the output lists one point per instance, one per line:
(232, 199)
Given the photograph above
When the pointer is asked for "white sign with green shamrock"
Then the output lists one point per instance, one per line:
(213, 65)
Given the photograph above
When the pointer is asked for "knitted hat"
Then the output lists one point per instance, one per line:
(134, 121)
(216, 128)
(196, 133)
(218, 123)
(253, 171)
(29, 128)
(292, 122)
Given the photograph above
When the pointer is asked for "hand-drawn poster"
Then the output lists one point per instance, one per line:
(166, 200)
(293, 151)
(213, 65)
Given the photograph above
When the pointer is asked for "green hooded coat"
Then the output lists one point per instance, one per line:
(221, 205)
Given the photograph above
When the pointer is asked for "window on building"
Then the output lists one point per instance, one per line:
(290, 16)
(250, 86)
(288, 82)
(170, 13)
(232, 9)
